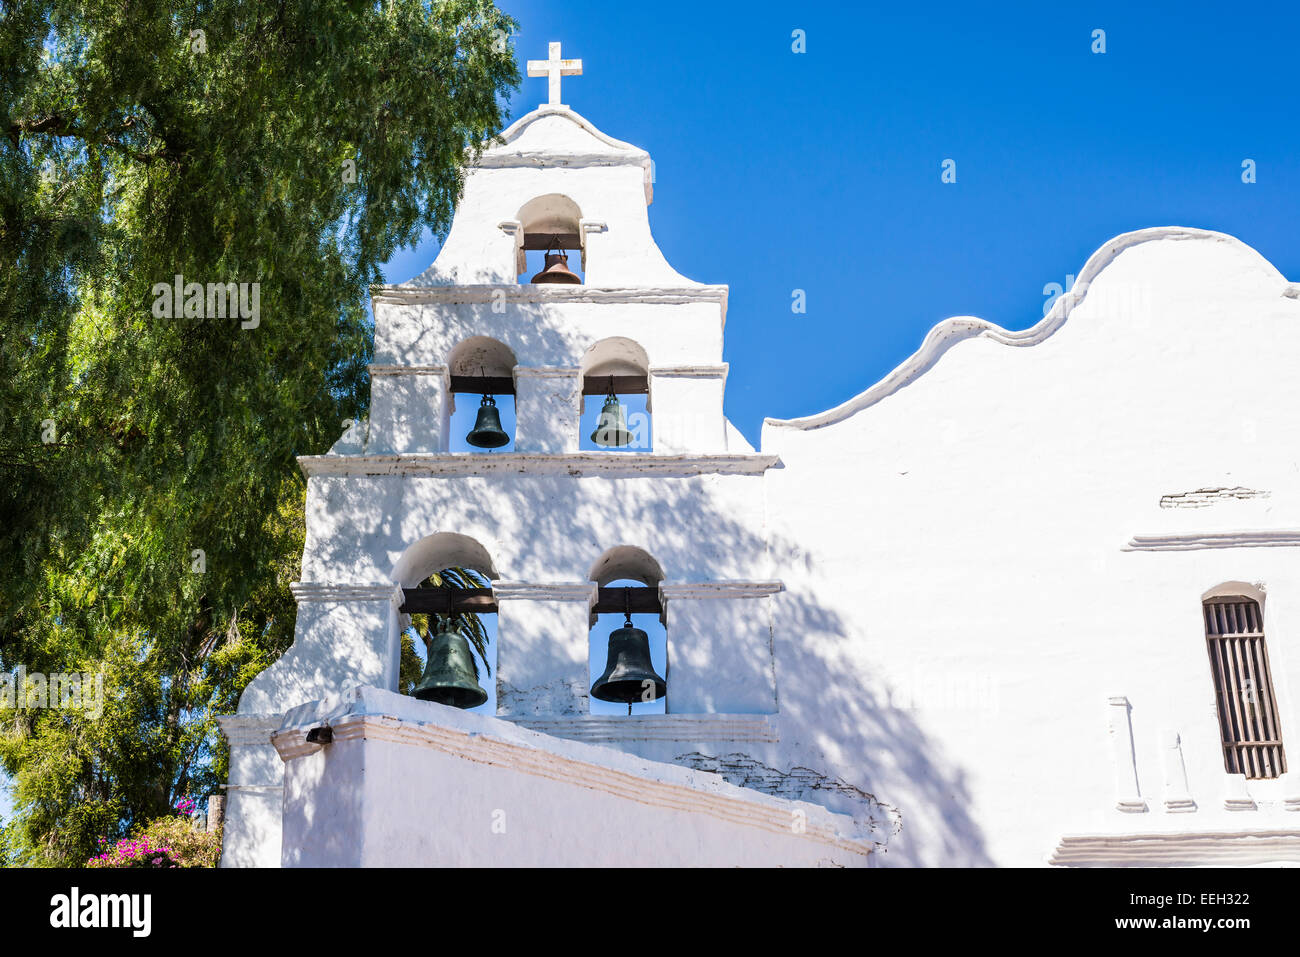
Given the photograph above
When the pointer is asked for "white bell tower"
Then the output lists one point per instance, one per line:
(548, 524)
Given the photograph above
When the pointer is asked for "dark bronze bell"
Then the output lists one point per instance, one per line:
(487, 432)
(556, 270)
(611, 429)
(629, 674)
(449, 674)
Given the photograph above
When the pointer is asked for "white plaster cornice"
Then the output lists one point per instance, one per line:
(346, 591)
(406, 370)
(546, 292)
(719, 589)
(246, 729)
(544, 591)
(1276, 538)
(538, 463)
(691, 372)
(952, 331)
(683, 789)
(599, 729)
(1178, 849)
(547, 372)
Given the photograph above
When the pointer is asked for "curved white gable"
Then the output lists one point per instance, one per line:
(958, 328)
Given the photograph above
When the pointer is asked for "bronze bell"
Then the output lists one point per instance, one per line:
(629, 674)
(611, 429)
(487, 432)
(556, 269)
(449, 676)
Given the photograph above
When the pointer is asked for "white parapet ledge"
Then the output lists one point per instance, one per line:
(725, 728)
(544, 591)
(718, 371)
(376, 369)
(538, 463)
(719, 589)
(547, 372)
(246, 729)
(1238, 848)
(1191, 541)
(345, 591)
(548, 292)
(372, 714)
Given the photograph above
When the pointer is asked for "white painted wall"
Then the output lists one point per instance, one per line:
(962, 539)
(408, 783)
(913, 610)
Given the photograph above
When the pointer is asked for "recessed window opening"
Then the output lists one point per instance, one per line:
(448, 650)
(1249, 722)
(628, 642)
(481, 372)
(550, 245)
(615, 413)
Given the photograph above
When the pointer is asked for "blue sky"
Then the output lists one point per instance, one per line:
(821, 171)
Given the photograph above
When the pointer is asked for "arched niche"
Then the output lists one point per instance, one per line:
(480, 365)
(545, 220)
(442, 550)
(481, 355)
(626, 561)
(621, 564)
(617, 356)
(550, 217)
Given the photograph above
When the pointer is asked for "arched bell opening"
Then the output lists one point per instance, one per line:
(615, 414)
(482, 370)
(550, 248)
(447, 623)
(628, 640)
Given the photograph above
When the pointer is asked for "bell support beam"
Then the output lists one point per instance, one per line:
(643, 601)
(482, 385)
(446, 601)
(623, 384)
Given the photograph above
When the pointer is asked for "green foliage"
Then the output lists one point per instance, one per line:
(130, 152)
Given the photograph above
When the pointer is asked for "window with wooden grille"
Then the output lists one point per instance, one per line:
(1243, 688)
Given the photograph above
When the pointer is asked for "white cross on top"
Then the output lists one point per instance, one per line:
(553, 69)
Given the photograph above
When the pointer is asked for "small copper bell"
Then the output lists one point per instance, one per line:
(556, 269)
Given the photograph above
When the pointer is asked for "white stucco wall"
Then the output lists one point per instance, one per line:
(409, 783)
(938, 610)
(957, 545)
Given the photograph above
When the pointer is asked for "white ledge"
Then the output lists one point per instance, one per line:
(691, 372)
(719, 589)
(537, 463)
(544, 591)
(245, 729)
(653, 727)
(345, 591)
(548, 292)
(952, 331)
(406, 370)
(1181, 849)
(1197, 540)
